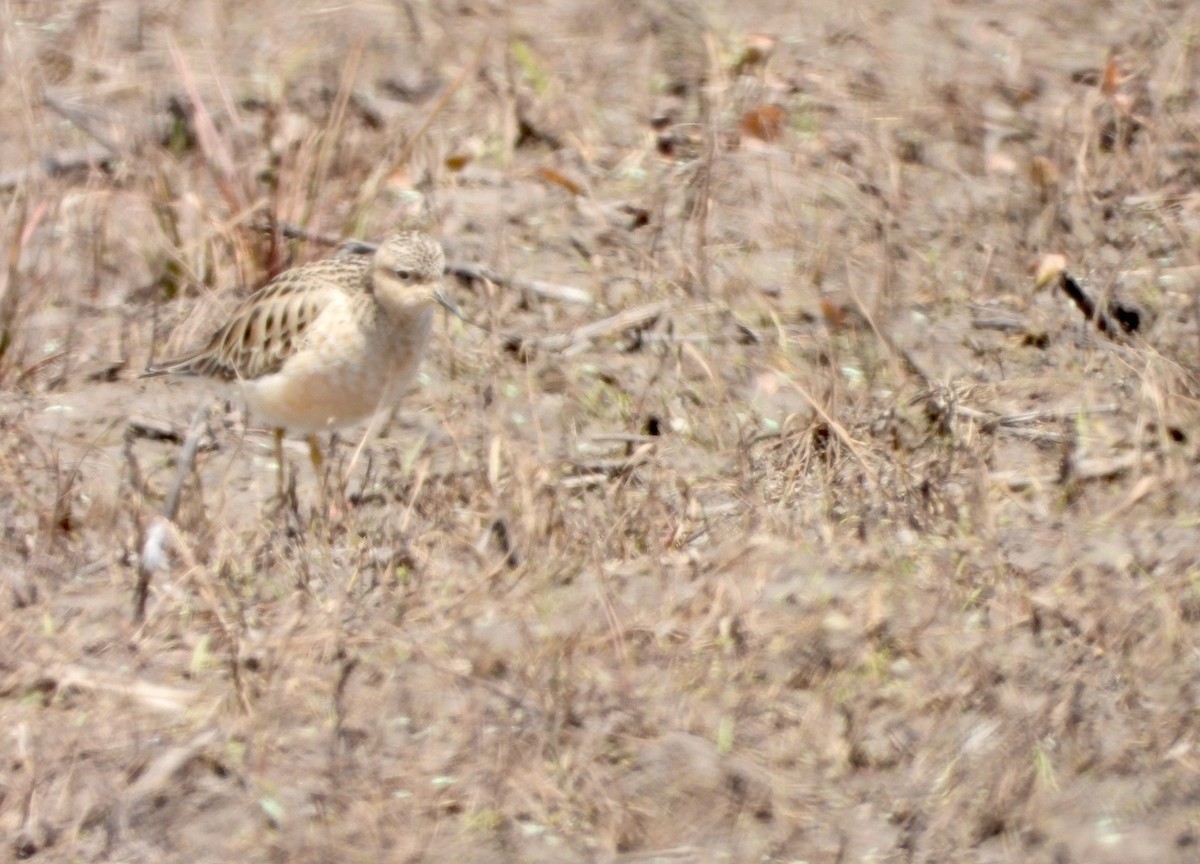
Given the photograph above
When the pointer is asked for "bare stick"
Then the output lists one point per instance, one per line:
(628, 319)
(154, 547)
(85, 122)
(187, 460)
(545, 290)
(623, 320)
(55, 164)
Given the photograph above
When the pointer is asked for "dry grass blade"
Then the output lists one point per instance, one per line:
(157, 697)
(215, 149)
(10, 300)
(370, 187)
(838, 430)
(332, 136)
(57, 164)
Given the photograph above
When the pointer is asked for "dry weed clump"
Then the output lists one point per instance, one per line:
(798, 489)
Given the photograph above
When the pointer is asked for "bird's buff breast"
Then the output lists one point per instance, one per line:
(333, 382)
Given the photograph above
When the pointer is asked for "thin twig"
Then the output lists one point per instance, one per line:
(153, 549)
(545, 290)
(627, 319)
(81, 120)
(1096, 468)
(187, 461)
(55, 164)
(996, 322)
(991, 419)
(613, 467)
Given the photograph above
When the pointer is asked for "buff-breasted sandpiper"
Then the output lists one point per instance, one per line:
(328, 343)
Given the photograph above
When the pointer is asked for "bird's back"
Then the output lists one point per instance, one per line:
(268, 328)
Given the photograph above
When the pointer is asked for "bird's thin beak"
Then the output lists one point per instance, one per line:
(444, 300)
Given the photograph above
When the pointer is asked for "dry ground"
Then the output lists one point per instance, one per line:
(838, 543)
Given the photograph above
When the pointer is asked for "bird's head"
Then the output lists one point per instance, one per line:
(408, 270)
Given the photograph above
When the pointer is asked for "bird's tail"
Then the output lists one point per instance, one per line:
(183, 365)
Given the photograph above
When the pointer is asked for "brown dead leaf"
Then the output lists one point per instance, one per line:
(764, 122)
(1111, 79)
(550, 175)
(1043, 173)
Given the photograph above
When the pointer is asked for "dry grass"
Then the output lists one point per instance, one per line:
(818, 534)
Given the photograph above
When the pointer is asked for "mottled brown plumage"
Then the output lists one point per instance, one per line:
(266, 330)
(327, 343)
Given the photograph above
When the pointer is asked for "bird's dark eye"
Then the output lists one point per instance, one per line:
(403, 274)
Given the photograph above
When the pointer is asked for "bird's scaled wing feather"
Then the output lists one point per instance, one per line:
(269, 327)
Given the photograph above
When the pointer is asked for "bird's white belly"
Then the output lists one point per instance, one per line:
(339, 376)
(308, 397)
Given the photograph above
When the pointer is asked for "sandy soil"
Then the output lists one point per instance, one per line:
(766, 509)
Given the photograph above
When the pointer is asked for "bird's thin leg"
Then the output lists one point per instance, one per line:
(318, 458)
